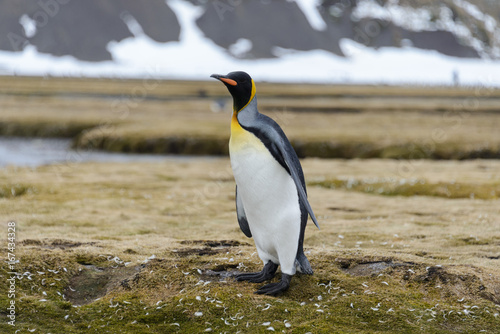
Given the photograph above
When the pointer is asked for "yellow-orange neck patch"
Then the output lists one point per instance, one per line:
(239, 136)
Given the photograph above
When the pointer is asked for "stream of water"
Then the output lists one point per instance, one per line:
(33, 152)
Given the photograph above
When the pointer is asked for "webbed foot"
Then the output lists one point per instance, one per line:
(274, 289)
(266, 274)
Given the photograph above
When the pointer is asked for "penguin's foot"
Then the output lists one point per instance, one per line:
(275, 289)
(266, 274)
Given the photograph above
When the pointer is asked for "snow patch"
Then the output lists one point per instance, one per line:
(29, 25)
(133, 26)
(420, 19)
(241, 47)
(415, 19)
(310, 10)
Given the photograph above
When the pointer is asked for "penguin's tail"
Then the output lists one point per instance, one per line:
(302, 264)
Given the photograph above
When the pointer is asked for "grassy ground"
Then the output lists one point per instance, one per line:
(150, 248)
(405, 245)
(185, 118)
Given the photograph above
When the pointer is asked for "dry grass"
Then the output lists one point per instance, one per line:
(412, 263)
(28, 86)
(176, 117)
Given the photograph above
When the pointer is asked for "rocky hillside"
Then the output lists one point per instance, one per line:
(247, 29)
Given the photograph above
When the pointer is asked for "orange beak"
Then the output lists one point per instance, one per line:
(222, 78)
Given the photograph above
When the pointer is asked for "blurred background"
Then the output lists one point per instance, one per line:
(325, 41)
(121, 75)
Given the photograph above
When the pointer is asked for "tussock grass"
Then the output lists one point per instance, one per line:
(14, 190)
(402, 187)
(321, 120)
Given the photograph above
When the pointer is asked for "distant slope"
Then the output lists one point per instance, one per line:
(367, 41)
(83, 29)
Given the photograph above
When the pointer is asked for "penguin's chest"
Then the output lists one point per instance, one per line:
(267, 191)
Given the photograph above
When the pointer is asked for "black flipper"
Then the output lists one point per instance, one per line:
(301, 191)
(242, 217)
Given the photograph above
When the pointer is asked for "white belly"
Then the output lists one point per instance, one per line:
(270, 200)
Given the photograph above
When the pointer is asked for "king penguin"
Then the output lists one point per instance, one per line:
(271, 197)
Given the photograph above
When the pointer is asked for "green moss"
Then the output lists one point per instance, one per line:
(47, 129)
(189, 145)
(393, 187)
(180, 295)
(15, 190)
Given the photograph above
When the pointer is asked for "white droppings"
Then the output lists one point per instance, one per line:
(198, 314)
(149, 258)
(385, 283)
(267, 323)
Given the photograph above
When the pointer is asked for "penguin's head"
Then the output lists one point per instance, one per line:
(241, 87)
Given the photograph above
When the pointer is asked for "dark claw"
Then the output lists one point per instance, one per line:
(274, 289)
(266, 274)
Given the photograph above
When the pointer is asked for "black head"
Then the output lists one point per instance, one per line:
(241, 87)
